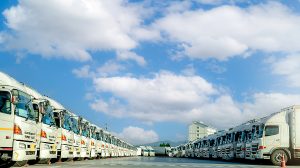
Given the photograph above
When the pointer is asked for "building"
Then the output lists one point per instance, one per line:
(199, 129)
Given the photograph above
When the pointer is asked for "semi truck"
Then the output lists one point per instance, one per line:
(271, 138)
(85, 138)
(277, 136)
(38, 128)
(77, 136)
(65, 136)
(46, 128)
(18, 125)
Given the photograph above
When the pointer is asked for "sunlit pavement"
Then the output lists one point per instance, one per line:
(163, 162)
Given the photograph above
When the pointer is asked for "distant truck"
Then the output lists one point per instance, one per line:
(145, 151)
(272, 138)
(151, 151)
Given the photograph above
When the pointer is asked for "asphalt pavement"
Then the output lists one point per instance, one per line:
(156, 162)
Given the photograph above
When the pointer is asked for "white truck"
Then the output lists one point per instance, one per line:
(93, 138)
(65, 137)
(105, 151)
(279, 136)
(77, 136)
(85, 138)
(151, 151)
(47, 130)
(18, 125)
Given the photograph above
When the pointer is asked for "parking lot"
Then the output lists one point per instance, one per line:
(163, 162)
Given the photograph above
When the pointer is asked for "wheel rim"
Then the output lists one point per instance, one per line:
(278, 157)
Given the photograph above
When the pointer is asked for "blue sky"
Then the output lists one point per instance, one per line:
(147, 68)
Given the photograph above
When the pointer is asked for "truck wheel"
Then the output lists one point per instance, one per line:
(19, 163)
(277, 156)
(44, 161)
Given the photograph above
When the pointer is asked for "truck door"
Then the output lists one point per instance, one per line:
(6, 120)
(272, 138)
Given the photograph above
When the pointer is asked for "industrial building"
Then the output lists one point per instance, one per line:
(199, 130)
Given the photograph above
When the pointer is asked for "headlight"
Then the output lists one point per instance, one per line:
(47, 146)
(22, 146)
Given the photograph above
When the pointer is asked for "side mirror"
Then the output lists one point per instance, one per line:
(15, 97)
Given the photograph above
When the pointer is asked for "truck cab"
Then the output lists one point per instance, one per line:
(93, 138)
(47, 130)
(65, 137)
(99, 142)
(85, 138)
(77, 136)
(18, 123)
(274, 139)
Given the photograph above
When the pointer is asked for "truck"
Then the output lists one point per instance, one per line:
(85, 138)
(18, 124)
(47, 130)
(65, 135)
(92, 143)
(277, 136)
(151, 151)
(77, 136)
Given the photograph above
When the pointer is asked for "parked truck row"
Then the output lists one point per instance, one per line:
(36, 128)
(271, 137)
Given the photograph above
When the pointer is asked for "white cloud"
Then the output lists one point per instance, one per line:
(262, 104)
(227, 31)
(110, 68)
(178, 98)
(138, 136)
(210, 2)
(289, 68)
(83, 72)
(189, 70)
(73, 28)
(129, 55)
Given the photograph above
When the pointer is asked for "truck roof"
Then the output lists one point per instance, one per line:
(6, 80)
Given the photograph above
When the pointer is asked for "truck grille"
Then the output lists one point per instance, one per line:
(30, 152)
(52, 152)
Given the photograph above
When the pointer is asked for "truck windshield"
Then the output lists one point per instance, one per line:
(94, 133)
(24, 107)
(85, 130)
(75, 126)
(67, 124)
(48, 117)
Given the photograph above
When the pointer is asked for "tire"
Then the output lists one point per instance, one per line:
(19, 163)
(276, 157)
(44, 161)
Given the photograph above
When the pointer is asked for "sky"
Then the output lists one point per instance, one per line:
(146, 69)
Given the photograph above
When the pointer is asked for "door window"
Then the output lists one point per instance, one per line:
(271, 130)
(5, 105)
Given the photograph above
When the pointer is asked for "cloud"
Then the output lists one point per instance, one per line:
(129, 55)
(178, 98)
(83, 72)
(262, 104)
(72, 29)
(110, 67)
(228, 31)
(289, 68)
(210, 2)
(138, 136)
